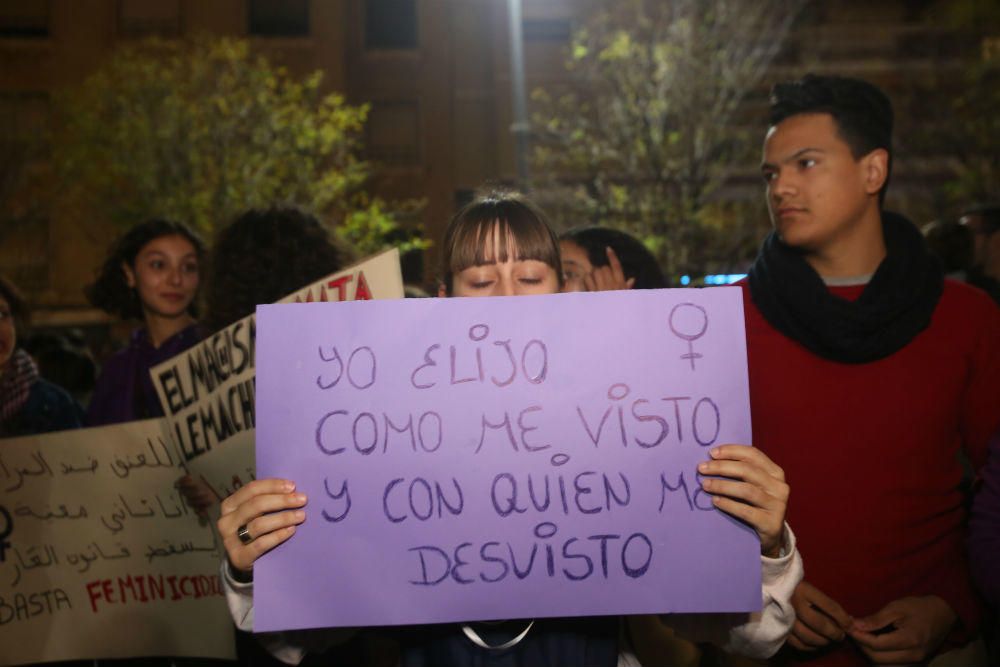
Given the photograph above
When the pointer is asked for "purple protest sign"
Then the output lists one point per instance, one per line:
(473, 459)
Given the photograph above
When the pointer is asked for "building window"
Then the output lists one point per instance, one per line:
(24, 246)
(393, 133)
(390, 24)
(24, 19)
(546, 30)
(279, 18)
(137, 18)
(991, 49)
(23, 115)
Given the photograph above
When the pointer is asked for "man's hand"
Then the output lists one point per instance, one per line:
(905, 631)
(819, 620)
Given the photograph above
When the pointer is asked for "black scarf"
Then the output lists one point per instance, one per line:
(895, 306)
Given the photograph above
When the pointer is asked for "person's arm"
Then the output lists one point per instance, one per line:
(196, 493)
(764, 632)
(269, 511)
(905, 631)
(608, 277)
(981, 423)
(746, 484)
(984, 529)
(819, 619)
(257, 518)
(239, 598)
(288, 647)
(759, 634)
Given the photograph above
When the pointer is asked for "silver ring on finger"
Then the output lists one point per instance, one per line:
(244, 534)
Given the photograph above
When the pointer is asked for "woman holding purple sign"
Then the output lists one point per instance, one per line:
(501, 245)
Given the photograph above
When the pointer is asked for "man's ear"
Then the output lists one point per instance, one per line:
(129, 274)
(442, 291)
(876, 170)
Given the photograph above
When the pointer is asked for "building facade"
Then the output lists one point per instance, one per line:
(437, 75)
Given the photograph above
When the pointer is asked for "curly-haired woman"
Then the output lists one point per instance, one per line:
(263, 256)
(151, 273)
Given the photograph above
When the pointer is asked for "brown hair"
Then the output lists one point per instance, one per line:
(18, 307)
(110, 291)
(514, 217)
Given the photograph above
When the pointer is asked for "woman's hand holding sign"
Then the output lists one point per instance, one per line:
(754, 491)
(257, 518)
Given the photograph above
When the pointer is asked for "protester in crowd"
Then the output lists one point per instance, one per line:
(984, 222)
(500, 245)
(868, 373)
(152, 274)
(984, 538)
(598, 258)
(953, 244)
(64, 359)
(262, 257)
(28, 404)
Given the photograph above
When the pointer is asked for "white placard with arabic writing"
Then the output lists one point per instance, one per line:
(101, 557)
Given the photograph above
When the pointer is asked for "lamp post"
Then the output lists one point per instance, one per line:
(520, 127)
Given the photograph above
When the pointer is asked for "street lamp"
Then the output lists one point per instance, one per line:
(520, 127)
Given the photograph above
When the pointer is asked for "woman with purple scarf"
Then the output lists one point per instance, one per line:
(151, 273)
(28, 404)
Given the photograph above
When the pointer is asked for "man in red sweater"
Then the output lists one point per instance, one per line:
(869, 372)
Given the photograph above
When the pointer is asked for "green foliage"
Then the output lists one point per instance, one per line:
(651, 129)
(971, 129)
(976, 123)
(201, 130)
(963, 14)
(370, 227)
(948, 117)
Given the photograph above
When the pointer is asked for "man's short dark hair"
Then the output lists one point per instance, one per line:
(862, 112)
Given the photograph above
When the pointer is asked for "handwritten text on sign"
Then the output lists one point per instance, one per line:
(99, 550)
(502, 458)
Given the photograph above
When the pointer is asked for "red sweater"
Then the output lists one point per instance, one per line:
(870, 452)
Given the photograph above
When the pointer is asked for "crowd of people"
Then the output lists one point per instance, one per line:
(873, 387)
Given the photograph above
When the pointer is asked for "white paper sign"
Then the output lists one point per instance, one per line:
(101, 557)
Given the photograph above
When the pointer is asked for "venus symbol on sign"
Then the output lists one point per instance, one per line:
(689, 321)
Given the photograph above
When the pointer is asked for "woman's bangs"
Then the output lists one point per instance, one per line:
(531, 238)
(483, 241)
